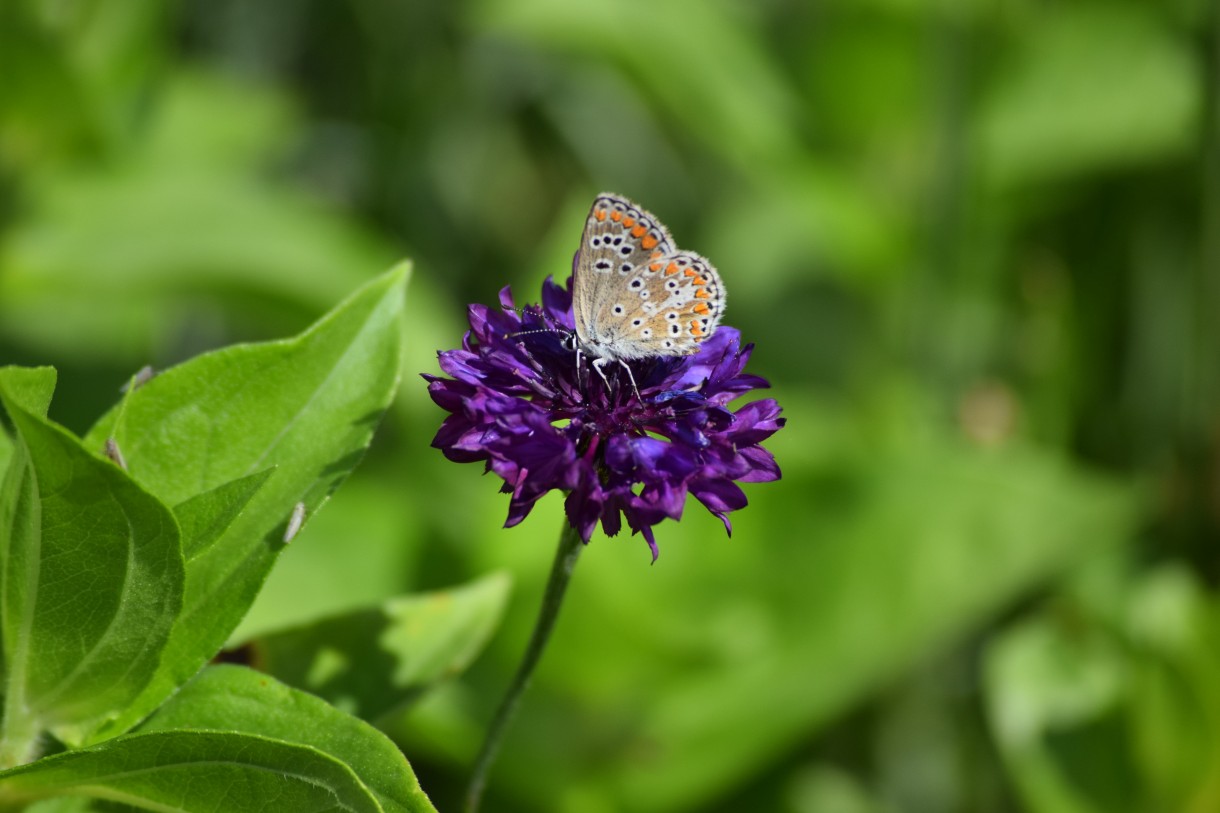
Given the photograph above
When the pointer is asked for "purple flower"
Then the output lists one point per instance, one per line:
(518, 401)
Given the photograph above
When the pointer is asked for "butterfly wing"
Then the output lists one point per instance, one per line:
(634, 294)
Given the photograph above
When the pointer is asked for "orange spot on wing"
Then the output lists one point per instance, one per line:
(639, 231)
(616, 215)
(703, 293)
(701, 308)
(654, 267)
(696, 328)
(648, 242)
(672, 268)
(627, 222)
(656, 255)
(690, 272)
(600, 214)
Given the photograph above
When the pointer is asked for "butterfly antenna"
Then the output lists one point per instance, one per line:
(533, 331)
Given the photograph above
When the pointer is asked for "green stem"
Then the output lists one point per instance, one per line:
(566, 555)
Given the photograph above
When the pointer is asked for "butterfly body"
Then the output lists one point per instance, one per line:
(635, 294)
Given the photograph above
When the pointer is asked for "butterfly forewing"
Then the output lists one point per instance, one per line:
(634, 294)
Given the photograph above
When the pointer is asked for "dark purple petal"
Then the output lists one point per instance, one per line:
(583, 507)
(720, 496)
(517, 511)
(460, 364)
(652, 542)
(763, 468)
(447, 394)
(506, 299)
(662, 499)
(557, 304)
(755, 422)
(452, 439)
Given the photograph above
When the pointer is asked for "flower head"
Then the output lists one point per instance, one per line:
(519, 401)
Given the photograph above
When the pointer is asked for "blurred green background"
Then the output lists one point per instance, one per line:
(977, 245)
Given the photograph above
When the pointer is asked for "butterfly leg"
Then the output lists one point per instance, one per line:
(631, 377)
(599, 363)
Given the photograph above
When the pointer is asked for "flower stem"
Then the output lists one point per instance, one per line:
(566, 555)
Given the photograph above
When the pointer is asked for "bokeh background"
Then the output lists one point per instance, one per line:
(977, 245)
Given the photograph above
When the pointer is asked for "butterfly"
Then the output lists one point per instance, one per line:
(635, 295)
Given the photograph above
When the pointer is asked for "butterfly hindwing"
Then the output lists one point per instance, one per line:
(634, 294)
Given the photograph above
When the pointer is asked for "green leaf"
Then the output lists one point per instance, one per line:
(189, 771)
(6, 451)
(373, 661)
(242, 700)
(62, 804)
(205, 518)
(93, 577)
(306, 407)
(30, 388)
